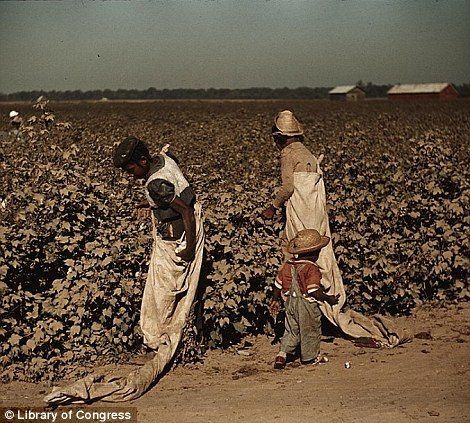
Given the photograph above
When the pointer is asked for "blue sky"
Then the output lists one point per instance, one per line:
(234, 44)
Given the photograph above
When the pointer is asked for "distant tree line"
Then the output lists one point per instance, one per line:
(180, 93)
(371, 90)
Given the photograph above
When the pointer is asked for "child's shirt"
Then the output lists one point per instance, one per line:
(309, 276)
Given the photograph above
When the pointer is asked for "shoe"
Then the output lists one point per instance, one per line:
(319, 360)
(312, 361)
(279, 363)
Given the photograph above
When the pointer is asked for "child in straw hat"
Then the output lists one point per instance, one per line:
(299, 281)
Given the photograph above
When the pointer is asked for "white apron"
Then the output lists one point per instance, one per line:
(169, 172)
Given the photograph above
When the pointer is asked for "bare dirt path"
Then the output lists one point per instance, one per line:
(426, 380)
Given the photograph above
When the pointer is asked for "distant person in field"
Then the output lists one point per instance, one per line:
(178, 243)
(299, 282)
(16, 121)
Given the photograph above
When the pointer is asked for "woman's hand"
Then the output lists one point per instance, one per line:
(143, 205)
(142, 213)
(187, 254)
(332, 299)
(143, 210)
(274, 306)
(269, 213)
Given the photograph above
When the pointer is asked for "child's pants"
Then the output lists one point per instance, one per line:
(303, 326)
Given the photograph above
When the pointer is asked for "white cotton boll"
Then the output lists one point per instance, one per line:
(181, 246)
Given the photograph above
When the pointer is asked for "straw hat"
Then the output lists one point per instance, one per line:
(306, 241)
(287, 124)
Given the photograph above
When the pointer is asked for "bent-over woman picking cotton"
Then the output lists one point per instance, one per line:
(173, 276)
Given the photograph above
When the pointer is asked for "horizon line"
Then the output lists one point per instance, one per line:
(230, 89)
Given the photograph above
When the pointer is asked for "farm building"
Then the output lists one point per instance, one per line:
(440, 91)
(347, 93)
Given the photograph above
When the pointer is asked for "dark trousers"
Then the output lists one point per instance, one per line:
(303, 327)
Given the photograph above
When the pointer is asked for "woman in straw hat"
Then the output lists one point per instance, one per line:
(299, 281)
(288, 134)
(304, 196)
(296, 159)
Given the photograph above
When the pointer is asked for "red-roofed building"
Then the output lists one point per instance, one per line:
(440, 91)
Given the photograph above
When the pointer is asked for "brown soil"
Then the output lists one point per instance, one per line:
(424, 380)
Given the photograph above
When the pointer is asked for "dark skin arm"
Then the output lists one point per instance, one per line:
(321, 295)
(187, 213)
(143, 210)
(269, 212)
(281, 142)
(275, 303)
(142, 205)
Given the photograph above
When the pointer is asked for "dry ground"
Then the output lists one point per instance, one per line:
(426, 380)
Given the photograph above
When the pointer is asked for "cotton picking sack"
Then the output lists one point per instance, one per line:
(166, 304)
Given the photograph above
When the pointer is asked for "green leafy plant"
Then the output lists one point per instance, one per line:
(73, 259)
